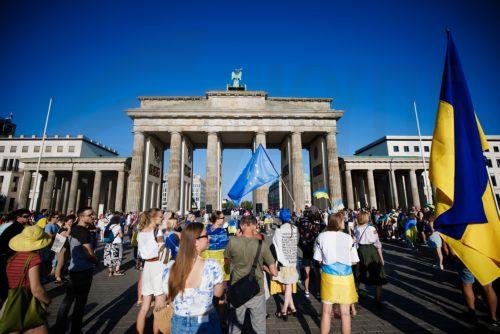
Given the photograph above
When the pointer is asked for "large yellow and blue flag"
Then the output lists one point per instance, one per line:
(466, 214)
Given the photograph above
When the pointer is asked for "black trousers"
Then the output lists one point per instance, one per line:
(77, 291)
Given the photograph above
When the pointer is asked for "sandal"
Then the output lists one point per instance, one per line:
(119, 273)
(283, 316)
(293, 313)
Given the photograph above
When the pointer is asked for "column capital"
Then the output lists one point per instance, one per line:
(175, 132)
(262, 133)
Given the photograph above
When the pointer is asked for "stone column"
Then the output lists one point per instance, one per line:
(134, 192)
(120, 187)
(174, 172)
(59, 190)
(371, 189)
(349, 189)
(25, 189)
(414, 188)
(213, 162)
(394, 189)
(333, 167)
(260, 194)
(109, 202)
(66, 194)
(72, 200)
(96, 190)
(47, 190)
(297, 172)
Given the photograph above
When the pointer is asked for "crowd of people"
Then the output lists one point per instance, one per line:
(204, 272)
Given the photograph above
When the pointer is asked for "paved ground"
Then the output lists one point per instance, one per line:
(418, 299)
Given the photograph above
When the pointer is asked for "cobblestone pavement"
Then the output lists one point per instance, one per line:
(418, 299)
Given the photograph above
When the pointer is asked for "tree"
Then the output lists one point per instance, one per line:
(247, 205)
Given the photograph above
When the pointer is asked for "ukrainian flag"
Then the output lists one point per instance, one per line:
(466, 215)
(321, 193)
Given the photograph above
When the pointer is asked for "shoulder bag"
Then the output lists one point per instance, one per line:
(246, 287)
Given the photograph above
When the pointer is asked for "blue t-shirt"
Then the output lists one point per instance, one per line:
(51, 228)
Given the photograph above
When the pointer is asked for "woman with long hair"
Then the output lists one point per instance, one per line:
(334, 249)
(151, 278)
(193, 282)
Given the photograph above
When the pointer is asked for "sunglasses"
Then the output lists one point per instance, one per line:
(202, 236)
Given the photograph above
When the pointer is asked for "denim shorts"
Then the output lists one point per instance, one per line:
(208, 324)
(464, 273)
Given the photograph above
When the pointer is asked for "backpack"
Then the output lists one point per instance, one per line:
(109, 236)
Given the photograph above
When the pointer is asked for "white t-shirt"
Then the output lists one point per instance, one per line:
(331, 247)
(101, 224)
(116, 228)
(147, 245)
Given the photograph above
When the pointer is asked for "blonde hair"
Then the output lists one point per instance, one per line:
(363, 218)
(145, 218)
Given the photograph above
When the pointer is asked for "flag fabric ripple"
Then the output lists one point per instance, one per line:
(257, 172)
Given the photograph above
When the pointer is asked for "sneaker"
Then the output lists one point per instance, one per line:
(307, 294)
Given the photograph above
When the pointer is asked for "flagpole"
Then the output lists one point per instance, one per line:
(279, 175)
(422, 153)
(40, 156)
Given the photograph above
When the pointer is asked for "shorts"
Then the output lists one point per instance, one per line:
(464, 273)
(152, 278)
(435, 240)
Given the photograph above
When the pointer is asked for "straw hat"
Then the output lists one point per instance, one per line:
(30, 239)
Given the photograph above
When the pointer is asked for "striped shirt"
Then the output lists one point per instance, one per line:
(15, 268)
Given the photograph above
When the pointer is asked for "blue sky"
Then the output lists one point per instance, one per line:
(372, 57)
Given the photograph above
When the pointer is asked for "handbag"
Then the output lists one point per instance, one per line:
(163, 318)
(21, 310)
(246, 287)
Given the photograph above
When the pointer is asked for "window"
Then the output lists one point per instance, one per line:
(426, 148)
(25, 149)
(406, 148)
(13, 149)
(4, 164)
(488, 163)
(48, 149)
(495, 148)
(2, 149)
(59, 149)
(498, 163)
(15, 180)
(71, 149)
(36, 149)
(498, 198)
(493, 180)
(396, 148)
(416, 148)
(1, 181)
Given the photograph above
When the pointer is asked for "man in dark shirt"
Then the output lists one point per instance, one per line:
(81, 270)
(22, 217)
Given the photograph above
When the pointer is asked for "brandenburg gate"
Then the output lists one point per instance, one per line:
(231, 118)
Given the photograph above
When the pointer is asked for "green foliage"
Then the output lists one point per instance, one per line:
(247, 205)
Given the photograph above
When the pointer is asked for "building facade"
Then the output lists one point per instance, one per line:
(231, 118)
(199, 191)
(63, 157)
(389, 173)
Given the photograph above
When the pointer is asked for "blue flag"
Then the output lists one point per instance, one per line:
(257, 172)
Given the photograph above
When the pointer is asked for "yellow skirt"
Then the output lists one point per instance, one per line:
(277, 287)
(338, 289)
(218, 255)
